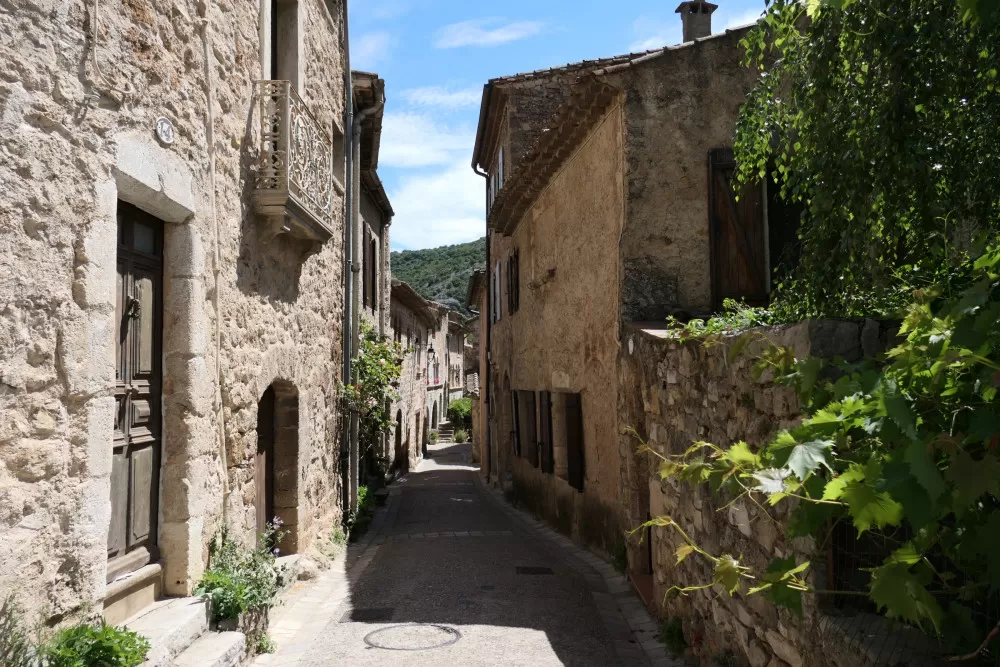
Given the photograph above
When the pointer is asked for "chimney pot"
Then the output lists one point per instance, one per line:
(696, 18)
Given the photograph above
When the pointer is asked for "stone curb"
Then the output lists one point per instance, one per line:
(616, 602)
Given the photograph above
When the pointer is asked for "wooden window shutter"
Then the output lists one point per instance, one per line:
(545, 425)
(574, 441)
(517, 279)
(737, 235)
(515, 431)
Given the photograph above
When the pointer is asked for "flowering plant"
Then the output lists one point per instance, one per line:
(377, 369)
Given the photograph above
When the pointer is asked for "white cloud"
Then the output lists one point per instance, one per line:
(441, 207)
(417, 140)
(439, 96)
(484, 32)
(728, 19)
(370, 49)
(654, 34)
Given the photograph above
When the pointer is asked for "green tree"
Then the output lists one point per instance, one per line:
(883, 121)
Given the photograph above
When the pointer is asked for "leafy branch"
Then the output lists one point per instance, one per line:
(907, 442)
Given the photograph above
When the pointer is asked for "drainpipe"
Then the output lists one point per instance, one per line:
(348, 244)
(359, 118)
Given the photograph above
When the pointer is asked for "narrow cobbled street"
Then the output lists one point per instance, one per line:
(450, 574)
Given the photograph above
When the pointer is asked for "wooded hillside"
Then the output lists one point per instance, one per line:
(441, 274)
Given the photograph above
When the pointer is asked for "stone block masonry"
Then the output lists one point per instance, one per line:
(75, 146)
(687, 392)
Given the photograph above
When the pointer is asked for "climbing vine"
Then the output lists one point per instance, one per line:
(377, 370)
(908, 441)
(882, 122)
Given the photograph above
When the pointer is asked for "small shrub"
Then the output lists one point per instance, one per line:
(358, 521)
(672, 636)
(16, 648)
(339, 537)
(460, 413)
(93, 645)
(434, 436)
(461, 436)
(265, 645)
(238, 578)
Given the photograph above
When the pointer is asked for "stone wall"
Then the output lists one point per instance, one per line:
(563, 338)
(74, 147)
(675, 394)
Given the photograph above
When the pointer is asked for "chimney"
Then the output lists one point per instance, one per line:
(696, 17)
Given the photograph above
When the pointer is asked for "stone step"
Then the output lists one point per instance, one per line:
(171, 626)
(214, 649)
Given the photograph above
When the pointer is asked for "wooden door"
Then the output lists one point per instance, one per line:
(738, 236)
(264, 461)
(137, 428)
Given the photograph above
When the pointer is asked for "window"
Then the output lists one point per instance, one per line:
(564, 415)
(574, 441)
(373, 259)
(496, 309)
(513, 282)
(364, 268)
(494, 183)
(515, 424)
(526, 435)
(545, 431)
(284, 42)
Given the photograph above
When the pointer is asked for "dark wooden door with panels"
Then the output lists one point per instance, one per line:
(132, 534)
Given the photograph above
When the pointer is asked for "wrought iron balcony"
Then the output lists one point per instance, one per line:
(295, 184)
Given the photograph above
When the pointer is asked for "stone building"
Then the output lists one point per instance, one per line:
(171, 339)
(610, 206)
(375, 210)
(436, 370)
(600, 211)
(455, 357)
(411, 317)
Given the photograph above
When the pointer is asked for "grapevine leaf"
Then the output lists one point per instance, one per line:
(899, 410)
(835, 487)
(973, 478)
(808, 456)
(727, 573)
(740, 455)
(683, 551)
(923, 468)
(869, 507)
(902, 595)
(770, 480)
(807, 518)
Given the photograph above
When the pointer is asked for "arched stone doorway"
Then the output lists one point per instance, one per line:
(276, 474)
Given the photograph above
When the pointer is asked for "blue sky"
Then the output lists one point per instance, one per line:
(435, 56)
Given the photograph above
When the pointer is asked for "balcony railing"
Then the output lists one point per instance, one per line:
(295, 185)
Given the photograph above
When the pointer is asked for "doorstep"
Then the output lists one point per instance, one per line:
(130, 594)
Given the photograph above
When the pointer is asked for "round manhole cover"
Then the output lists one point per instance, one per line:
(413, 637)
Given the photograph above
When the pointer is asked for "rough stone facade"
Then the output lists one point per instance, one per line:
(437, 368)
(563, 336)
(410, 316)
(678, 108)
(236, 307)
(675, 394)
